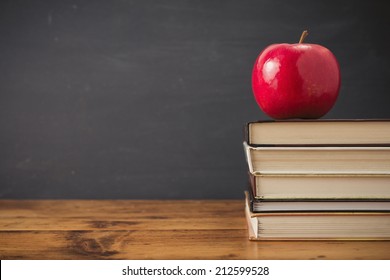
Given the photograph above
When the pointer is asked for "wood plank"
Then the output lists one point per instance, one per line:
(135, 229)
(161, 222)
(176, 244)
(120, 208)
(121, 215)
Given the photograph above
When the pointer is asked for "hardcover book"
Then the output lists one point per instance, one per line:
(318, 132)
(316, 205)
(347, 225)
(318, 160)
(320, 186)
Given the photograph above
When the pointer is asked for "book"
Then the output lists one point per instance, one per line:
(317, 205)
(320, 186)
(318, 160)
(318, 132)
(346, 225)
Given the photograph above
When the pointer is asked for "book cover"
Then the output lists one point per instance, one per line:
(318, 160)
(316, 205)
(317, 226)
(348, 132)
(320, 186)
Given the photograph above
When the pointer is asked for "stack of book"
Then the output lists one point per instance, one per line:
(318, 179)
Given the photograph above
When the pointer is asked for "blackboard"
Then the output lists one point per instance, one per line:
(139, 99)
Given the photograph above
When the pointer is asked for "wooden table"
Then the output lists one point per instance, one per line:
(136, 229)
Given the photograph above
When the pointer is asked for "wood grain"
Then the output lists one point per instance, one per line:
(136, 229)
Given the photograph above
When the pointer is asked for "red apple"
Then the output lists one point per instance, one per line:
(296, 80)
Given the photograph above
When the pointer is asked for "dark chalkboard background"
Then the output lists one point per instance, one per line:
(147, 99)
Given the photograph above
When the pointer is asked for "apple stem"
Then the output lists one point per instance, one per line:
(303, 36)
